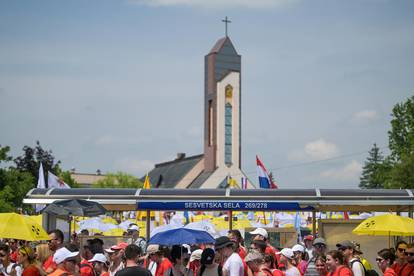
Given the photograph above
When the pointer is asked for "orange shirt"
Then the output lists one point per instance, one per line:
(105, 274)
(389, 272)
(86, 268)
(163, 267)
(341, 271)
(397, 267)
(270, 250)
(58, 272)
(407, 270)
(13, 256)
(242, 252)
(31, 270)
(49, 264)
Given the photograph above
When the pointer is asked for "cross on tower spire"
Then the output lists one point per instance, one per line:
(226, 21)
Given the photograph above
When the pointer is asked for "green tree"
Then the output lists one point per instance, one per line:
(14, 185)
(31, 159)
(118, 180)
(401, 144)
(401, 135)
(375, 170)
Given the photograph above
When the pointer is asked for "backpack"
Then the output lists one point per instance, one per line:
(368, 272)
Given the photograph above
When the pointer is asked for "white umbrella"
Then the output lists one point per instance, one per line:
(203, 225)
(163, 228)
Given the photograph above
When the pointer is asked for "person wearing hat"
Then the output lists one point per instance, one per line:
(319, 248)
(26, 258)
(255, 261)
(208, 265)
(116, 254)
(66, 262)
(194, 262)
(132, 256)
(133, 230)
(347, 248)
(232, 263)
(100, 264)
(308, 242)
(156, 255)
(261, 234)
(86, 267)
(300, 258)
(401, 260)
(287, 258)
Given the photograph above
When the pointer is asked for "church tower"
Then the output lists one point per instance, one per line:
(222, 104)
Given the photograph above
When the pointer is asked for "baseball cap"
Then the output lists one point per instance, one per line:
(63, 254)
(346, 244)
(261, 232)
(98, 257)
(133, 227)
(287, 252)
(319, 241)
(119, 246)
(196, 255)
(222, 242)
(298, 247)
(252, 256)
(308, 238)
(207, 257)
(153, 248)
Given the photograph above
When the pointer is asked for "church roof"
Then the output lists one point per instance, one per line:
(169, 174)
(223, 43)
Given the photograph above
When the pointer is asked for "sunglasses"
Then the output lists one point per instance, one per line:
(378, 260)
(319, 245)
(409, 254)
(3, 255)
(401, 250)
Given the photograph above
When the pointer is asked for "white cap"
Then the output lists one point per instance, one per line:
(98, 257)
(261, 232)
(133, 227)
(196, 255)
(298, 247)
(63, 254)
(287, 252)
(109, 250)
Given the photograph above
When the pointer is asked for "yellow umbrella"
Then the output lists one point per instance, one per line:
(15, 226)
(386, 225)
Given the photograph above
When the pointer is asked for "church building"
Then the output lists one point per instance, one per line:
(220, 164)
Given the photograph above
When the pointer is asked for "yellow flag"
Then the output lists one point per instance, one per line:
(147, 184)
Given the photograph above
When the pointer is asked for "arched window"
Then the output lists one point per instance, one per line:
(228, 134)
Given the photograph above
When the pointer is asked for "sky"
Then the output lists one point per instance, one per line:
(117, 85)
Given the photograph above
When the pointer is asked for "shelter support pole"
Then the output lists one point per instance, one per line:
(314, 223)
(148, 225)
(410, 211)
(230, 220)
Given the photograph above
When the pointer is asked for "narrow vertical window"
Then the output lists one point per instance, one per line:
(228, 134)
(210, 122)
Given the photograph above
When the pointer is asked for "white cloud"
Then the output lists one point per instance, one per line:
(133, 165)
(315, 150)
(350, 172)
(365, 115)
(258, 4)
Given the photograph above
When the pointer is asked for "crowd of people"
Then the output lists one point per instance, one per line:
(228, 256)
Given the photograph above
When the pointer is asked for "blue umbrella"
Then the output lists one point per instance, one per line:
(181, 236)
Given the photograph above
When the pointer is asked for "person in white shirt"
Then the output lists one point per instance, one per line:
(6, 266)
(348, 249)
(232, 263)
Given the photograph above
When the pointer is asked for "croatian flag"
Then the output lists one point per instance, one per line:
(264, 180)
(244, 183)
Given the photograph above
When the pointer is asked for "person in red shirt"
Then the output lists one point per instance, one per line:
(269, 262)
(157, 256)
(100, 264)
(66, 262)
(335, 262)
(86, 267)
(237, 238)
(55, 242)
(401, 259)
(320, 265)
(26, 258)
(384, 260)
(13, 244)
(261, 234)
(408, 269)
